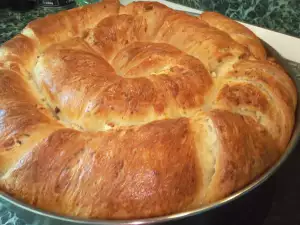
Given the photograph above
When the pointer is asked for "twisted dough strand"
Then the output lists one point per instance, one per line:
(110, 111)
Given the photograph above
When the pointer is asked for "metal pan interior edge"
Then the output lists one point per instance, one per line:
(14, 204)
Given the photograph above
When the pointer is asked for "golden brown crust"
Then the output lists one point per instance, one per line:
(151, 14)
(195, 37)
(114, 33)
(19, 109)
(273, 104)
(19, 51)
(107, 175)
(90, 94)
(23, 119)
(245, 150)
(121, 112)
(49, 30)
(87, 17)
(237, 32)
(67, 24)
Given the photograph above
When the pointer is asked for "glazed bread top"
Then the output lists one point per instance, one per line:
(121, 112)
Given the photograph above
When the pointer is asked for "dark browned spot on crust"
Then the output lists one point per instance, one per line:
(8, 144)
(148, 7)
(57, 110)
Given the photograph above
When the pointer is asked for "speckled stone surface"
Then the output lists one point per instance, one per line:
(12, 22)
(280, 15)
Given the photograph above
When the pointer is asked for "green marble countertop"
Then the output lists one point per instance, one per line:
(12, 22)
(279, 15)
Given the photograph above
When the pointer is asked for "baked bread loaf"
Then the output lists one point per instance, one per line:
(121, 112)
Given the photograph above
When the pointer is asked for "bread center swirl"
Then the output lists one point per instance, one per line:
(145, 82)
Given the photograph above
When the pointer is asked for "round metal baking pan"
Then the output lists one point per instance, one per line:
(209, 215)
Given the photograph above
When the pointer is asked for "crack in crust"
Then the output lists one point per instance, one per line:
(121, 112)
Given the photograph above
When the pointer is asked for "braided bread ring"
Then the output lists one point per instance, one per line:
(121, 112)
